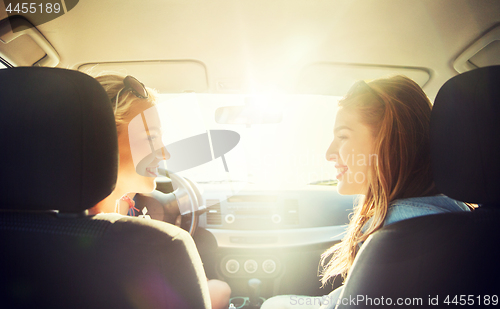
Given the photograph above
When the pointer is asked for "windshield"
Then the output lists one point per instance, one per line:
(286, 151)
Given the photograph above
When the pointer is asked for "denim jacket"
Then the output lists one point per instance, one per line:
(407, 208)
(412, 207)
(421, 206)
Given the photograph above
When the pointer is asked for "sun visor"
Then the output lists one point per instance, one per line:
(327, 78)
(168, 76)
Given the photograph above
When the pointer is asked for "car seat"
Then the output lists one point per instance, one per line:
(59, 158)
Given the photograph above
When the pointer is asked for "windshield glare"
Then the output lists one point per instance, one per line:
(286, 154)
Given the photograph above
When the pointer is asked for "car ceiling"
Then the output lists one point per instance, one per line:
(270, 42)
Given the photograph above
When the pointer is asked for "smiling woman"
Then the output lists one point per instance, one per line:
(387, 119)
(381, 151)
(130, 100)
(356, 152)
(140, 149)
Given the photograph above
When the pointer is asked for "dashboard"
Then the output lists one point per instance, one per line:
(276, 236)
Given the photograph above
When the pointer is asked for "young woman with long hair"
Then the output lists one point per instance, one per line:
(381, 152)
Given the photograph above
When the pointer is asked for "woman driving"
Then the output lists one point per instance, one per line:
(140, 151)
(130, 98)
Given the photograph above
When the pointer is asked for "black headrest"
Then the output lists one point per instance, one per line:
(59, 142)
(465, 136)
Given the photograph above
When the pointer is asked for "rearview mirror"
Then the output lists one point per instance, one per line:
(247, 114)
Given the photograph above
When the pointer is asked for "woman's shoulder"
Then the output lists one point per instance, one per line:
(438, 202)
(407, 208)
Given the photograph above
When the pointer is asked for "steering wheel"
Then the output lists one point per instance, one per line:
(183, 201)
(187, 201)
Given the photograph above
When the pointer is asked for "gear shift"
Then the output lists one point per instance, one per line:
(254, 287)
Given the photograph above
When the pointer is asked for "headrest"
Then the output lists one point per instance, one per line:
(59, 142)
(465, 136)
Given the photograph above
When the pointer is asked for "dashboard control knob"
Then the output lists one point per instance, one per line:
(276, 218)
(229, 218)
(232, 266)
(250, 266)
(269, 266)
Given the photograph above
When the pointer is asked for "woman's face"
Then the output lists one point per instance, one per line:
(141, 150)
(352, 150)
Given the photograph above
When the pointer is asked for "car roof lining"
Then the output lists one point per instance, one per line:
(269, 43)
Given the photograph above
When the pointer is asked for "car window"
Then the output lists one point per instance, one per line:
(279, 154)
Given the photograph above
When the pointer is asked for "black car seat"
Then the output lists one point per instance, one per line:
(59, 158)
(447, 259)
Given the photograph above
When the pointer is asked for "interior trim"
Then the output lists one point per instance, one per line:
(13, 27)
(284, 238)
(462, 63)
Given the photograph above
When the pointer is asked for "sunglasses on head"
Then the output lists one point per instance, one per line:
(133, 85)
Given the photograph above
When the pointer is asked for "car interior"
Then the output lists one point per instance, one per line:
(247, 96)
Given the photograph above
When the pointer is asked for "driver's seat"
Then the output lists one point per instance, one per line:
(59, 158)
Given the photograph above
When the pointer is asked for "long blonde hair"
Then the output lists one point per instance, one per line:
(398, 112)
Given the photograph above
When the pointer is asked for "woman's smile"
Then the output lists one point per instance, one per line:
(352, 151)
(341, 170)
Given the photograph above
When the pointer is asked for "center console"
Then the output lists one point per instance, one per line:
(270, 242)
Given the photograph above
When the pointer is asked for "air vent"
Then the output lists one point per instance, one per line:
(214, 214)
(291, 216)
